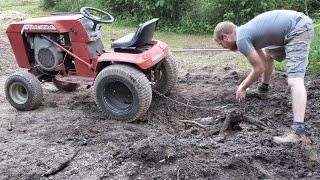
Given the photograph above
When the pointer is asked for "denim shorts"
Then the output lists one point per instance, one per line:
(295, 51)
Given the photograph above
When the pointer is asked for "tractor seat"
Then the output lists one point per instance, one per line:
(143, 34)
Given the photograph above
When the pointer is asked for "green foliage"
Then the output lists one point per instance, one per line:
(314, 55)
(240, 12)
(198, 19)
(186, 16)
(281, 66)
(190, 16)
(70, 5)
(47, 3)
(136, 11)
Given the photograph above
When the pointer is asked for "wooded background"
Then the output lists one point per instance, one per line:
(187, 16)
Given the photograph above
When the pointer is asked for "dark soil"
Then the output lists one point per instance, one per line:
(158, 146)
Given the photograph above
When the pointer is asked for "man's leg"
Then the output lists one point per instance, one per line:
(263, 89)
(299, 102)
(268, 64)
(297, 50)
(299, 98)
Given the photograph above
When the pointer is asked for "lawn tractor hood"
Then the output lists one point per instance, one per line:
(55, 23)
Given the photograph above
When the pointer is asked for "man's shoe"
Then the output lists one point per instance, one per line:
(258, 93)
(292, 137)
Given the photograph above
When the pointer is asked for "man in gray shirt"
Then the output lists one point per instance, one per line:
(273, 35)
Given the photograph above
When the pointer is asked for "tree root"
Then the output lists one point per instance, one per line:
(234, 117)
(255, 122)
(230, 121)
(194, 122)
(61, 166)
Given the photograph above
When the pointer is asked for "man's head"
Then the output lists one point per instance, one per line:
(225, 35)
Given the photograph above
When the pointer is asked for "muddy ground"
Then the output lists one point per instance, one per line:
(158, 146)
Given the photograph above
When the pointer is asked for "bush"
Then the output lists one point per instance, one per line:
(186, 16)
(70, 5)
(314, 55)
(75, 5)
(46, 4)
(137, 11)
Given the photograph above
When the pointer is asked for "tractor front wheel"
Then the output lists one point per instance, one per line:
(122, 92)
(23, 91)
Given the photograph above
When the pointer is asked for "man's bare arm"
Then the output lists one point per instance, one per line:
(257, 69)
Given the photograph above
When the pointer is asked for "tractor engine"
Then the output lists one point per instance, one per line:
(47, 56)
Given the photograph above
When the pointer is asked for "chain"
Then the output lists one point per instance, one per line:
(215, 109)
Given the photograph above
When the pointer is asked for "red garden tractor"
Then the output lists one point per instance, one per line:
(66, 49)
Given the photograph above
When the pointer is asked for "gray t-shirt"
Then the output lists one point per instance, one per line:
(268, 29)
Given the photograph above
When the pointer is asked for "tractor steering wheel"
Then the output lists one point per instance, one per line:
(88, 13)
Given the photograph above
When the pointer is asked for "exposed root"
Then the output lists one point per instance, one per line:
(255, 122)
(235, 116)
(61, 166)
(230, 121)
(194, 122)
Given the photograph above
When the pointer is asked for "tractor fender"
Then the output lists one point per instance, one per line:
(143, 60)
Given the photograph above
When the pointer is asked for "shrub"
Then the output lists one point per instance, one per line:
(314, 55)
(187, 16)
(135, 11)
(46, 4)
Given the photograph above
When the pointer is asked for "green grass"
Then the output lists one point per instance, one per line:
(27, 8)
(174, 40)
(177, 41)
(11, 11)
(243, 63)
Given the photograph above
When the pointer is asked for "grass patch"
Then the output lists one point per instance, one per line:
(192, 58)
(177, 41)
(12, 11)
(27, 8)
(281, 66)
(174, 40)
(243, 63)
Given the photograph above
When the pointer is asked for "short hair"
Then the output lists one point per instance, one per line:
(225, 27)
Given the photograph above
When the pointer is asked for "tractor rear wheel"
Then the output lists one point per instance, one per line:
(23, 91)
(122, 92)
(63, 86)
(166, 75)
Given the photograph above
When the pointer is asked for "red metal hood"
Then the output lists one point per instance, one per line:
(51, 19)
(60, 23)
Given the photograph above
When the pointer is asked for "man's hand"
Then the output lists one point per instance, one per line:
(257, 69)
(240, 94)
